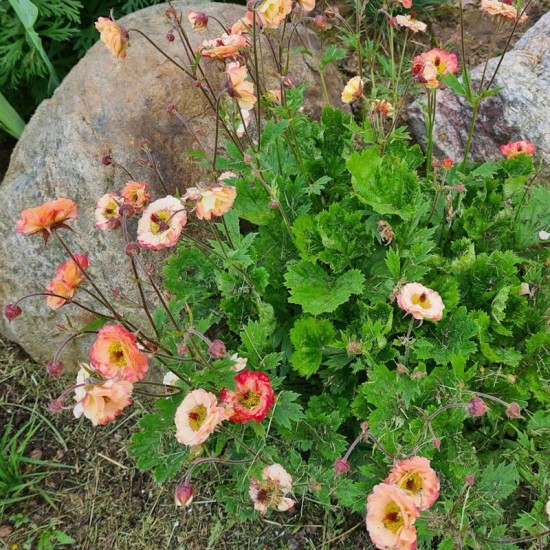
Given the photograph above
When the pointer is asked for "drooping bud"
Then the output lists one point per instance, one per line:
(470, 479)
(217, 349)
(477, 407)
(513, 412)
(320, 22)
(54, 368)
(170, 108)
(126, 209)
(436, 443)
(183, 349)
(184, 494)
(460, 188)
(287, 82)
(107, 160)
(56, 405)
(12, 311)
(273, 204)
(341, 466)
(132, 249)
(331, 12)
(170, 36)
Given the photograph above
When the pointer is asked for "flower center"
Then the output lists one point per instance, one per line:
(249, 399)
(116, 355)
(111, 210)
(197, 416)
(159, 221)
(393, 520)
(412, 483)
(421, 300)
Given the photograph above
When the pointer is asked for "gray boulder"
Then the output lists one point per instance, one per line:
(106, 106)
(521, 110)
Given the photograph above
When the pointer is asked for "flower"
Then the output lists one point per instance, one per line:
(215, 200)
(170, 379)
(353, 89)
(513, 412)
(197, 417)
(272, 13)
(307, 5)
(100, 401)
(410, 23)
(420, 302)
(46, 217)
(183, 494)
(69, 276)
(217, 349)
(341, 466)
(515, 148)
(239, 363)
(198, 20)
(274, 96)
(382, 106)
(252, 398)
(242, 26)
(114, 36)
(272, 490)
(107, 215)
(245, 121)
(501, 9)
(238, 87)
(390, 518)
(477, 407)
(136, 193)
(161, 223)
(430, 65)
(222, 48)
(407, 4)
(417, 480)
(115, 354)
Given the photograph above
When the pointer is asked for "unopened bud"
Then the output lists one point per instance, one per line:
(12, 311)
(460, 188)
(470, 479)
(477, 407)
(354, 348)
(248, 159)
(513, 412)
(107, 160)
(436, 163)
(331, 12)
(126, 209)
(341, 466)
(56, 406)
(436, 443)
(401, 369)
(364, 427)
(273, 204)
(132, 249)
(217, 349)
(320, 22)
(184, 494)
(183, 349)
(54, 368)
(170, 36)
(144, 143)
(287, 82)
(115, 292)
(170, 108)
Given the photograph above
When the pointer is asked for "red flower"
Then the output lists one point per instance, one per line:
(252, 398)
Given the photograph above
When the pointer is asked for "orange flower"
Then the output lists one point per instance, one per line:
(515, 148)
(223, 48)
(107, 215)
(68, 278)
(502, 9)
(46, 217)
(115, 354)
(215, 200)
(114, 36)
(100, 401)
(242, 26)
(410, 23)
(136, 193)
(238, 87)
(382, 107)
(307, 5)
(429, 66)
(272, 13)
(417, 480)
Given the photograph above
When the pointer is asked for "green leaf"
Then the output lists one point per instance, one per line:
(272, 131)
(393, 263)
(456, 86)
(286, 410)
(500, 481)
(309, 336)
(312, 288)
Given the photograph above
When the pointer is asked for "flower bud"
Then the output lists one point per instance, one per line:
(183, 349)
(320, 22)
(477, 407)
(248, 159)
(331, 12)
(287, 82)
(132, 249)
(184, 494)
(126, 209)
(354, 348)
(513, 412)
(470, 479)
(107, 160)
(364, 427)
(524, 289)
(460, 188)
(217, 349)
(341, 466)
(170, 36)
(170, 108)
(436, 443)
(401, 369)
(54, 368)
(273, 204)
(11, 311)
(56, 405)
(144, 143)
(447, 163)
(436, 163)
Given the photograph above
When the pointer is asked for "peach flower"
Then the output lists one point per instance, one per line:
(272, 490)
(390, 518)
(272, 13)
(382, 107)
(307, 5)
(407, 4)
(136, 193)
(66, 281)
(239, 362)
(417, 480)
(100, 401)
(197, 417)
(107, 215)
(410, 23)
(245, 120)
(46, 217)
(215, 200)
(162, 223)
(198, 20)
(420, 302)
(274, 96)
(445, 62)
(238, 87)
(353, 89)
(223, 48)
(243, 25)
(501, 9)
(114, 36)
(115, 354)
(515, 148)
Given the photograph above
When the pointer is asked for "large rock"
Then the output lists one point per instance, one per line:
(107, 106)
(521, 110)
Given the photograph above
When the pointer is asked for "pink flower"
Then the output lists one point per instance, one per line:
(417, 480)
(252, 398)
(238, 87)
(429, 66)
(161, 223)
(46, 217)
(516, 148)
(198, 20)
(390, 518)
(115, 354)
(501, 9)
(272, 490)
(307, 5)
(477, 407)
(239, 363)
(114, 36)
(227, 46)
(197, 417)
(410, 23)
(407, 4)
(212, 201)
(272, 13)
(243, 25)
(136, 193)
(107, 215)
(68, 278)
(100, 401)
(421, 302)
